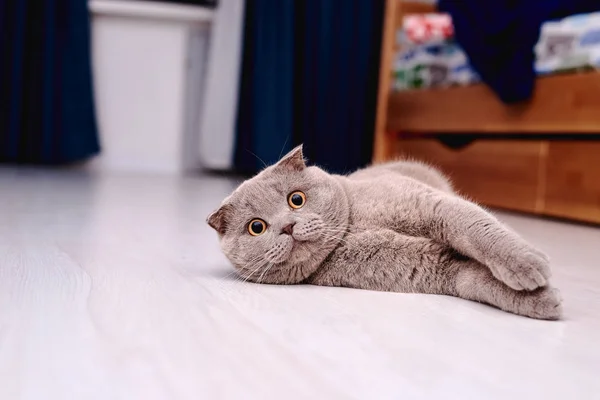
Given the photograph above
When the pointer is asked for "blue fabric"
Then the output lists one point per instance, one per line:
(265, 110)
(309, 75)
(499, 37)
(47, 111)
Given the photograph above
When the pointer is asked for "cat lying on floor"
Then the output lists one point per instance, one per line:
(393, 227)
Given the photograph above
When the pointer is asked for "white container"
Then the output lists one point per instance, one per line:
(149, 65)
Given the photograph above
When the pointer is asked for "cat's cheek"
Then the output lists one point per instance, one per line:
(309, 231)
(306, 236)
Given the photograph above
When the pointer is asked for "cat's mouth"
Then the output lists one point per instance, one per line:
(300, 245)
(294, 245)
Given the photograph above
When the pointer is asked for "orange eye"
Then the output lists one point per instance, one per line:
(296, 199)
(257, 227)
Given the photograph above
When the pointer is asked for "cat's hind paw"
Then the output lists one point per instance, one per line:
(543, 303)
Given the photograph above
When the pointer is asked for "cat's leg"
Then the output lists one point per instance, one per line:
(477, 234)
(385, 260)
(475, 282)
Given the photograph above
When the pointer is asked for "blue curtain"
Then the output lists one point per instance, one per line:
(309, 75)
(46, 104)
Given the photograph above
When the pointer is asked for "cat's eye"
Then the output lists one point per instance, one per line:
(257, 227)
(296, 199)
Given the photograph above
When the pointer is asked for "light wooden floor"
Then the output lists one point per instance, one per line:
(114, 288)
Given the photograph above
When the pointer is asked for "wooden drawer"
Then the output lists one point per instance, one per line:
(499, 173)
(554, 178)
(572, 179)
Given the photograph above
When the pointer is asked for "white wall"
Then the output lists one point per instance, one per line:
(217, 127)
(166, 84)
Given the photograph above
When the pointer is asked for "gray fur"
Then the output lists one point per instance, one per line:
(393, 227)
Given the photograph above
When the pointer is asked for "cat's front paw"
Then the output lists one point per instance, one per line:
(526, 270)
(543, 303)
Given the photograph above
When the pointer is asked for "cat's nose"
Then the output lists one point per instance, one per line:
(288, 229)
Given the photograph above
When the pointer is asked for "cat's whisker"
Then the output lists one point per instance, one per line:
(283, 147)
(227, 285)
(337, 227)
(259, 159)
(332, 237)
(333, 228)
(242, 274)
(228, 290)
(233, 273)
(255, 271)
(333, 232)
(253, 261)
(337, 230)
(264, 272)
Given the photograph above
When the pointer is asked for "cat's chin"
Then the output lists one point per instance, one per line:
(301, 252)
(294, 258)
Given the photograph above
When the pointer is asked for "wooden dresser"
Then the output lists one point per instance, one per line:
(542, 157)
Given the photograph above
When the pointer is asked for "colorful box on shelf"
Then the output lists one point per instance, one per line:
(570, 43)
(427, 28)
(433, 65)
(430, 58)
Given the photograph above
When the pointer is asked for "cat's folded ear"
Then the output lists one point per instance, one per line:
(292, 161)
(218, 220)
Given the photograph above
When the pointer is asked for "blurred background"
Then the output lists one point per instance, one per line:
(503, 97)
(125, 123)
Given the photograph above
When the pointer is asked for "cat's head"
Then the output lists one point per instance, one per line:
(279, 226)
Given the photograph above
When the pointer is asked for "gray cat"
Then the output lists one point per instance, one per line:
(393, 227)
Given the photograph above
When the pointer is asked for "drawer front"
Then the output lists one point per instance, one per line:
(573, 180)
(498, 173)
